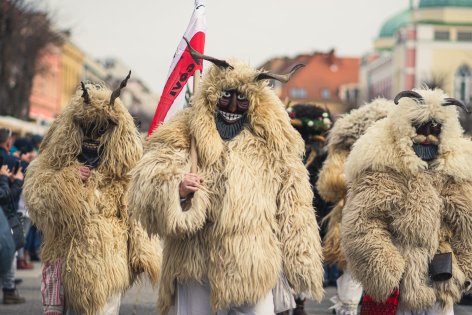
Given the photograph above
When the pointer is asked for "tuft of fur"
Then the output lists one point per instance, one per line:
(400, 210)
(350, 127)
(252, 219)
(332, 251)
(86, 224)
(331, 182)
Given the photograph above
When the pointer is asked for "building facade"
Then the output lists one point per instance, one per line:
(427, 45)
(327, 80)
(45, 100)
(72, 61)
(140, 100)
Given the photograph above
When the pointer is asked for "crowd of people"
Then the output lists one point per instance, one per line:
(16, 153)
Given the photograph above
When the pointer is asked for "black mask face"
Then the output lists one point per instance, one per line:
(90, 154)
(426, 152)
(226, 130)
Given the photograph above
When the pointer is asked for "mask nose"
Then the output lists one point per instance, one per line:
(233, 106)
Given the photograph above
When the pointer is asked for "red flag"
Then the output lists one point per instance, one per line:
(183, 66)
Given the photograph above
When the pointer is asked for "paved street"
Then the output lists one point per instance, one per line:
(139, 300)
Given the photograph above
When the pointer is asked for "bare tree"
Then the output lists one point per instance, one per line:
(25, 31)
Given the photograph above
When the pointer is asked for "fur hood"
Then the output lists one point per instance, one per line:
(351, 126)
(345, 132)
(121, 145)
(388, 144)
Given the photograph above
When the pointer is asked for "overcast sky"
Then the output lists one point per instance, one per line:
(145, 33)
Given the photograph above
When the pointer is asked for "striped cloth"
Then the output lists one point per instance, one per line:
(52, 291)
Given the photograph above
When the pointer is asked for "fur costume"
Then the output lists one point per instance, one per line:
(86, 224)
(331, 184)
(252, 219)
(401, 209)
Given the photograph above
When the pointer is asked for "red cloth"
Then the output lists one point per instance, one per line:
(389, 307)
(52, 291)
(183, 66)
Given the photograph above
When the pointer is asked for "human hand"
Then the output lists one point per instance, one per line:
(191, 183)
(5, 171)
(84, 173)
(19, 174)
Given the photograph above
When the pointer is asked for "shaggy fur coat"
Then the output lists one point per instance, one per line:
(86, 224)
(401, 210)
(252, 220)
(331, 184)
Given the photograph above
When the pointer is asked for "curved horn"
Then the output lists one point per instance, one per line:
(117, 92)
(196, 56)
(452, 101)
(85, 94)
(410, 94)
(279, 77)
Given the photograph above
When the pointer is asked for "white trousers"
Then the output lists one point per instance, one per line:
(111, 308)
(349, 294)
(435, 310)
(194, 299)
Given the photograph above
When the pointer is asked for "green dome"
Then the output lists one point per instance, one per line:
(445, 3)
(390, 27)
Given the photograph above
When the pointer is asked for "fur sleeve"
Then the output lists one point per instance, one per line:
(331, 184)
(458, 212)
(299, 233)
(144, 252)
(373, 258)
(55, 197)
(154, 194)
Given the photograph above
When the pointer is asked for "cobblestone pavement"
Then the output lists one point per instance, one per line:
(139, 300)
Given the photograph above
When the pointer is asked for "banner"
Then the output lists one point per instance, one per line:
(182, 68)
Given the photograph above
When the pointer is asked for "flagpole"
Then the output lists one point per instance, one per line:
(193, 143)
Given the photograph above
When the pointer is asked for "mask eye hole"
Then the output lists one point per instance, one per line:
(241, 97)
(101, 131)
(226, 94)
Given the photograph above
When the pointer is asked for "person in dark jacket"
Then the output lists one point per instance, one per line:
(10, 190)
(312, 122)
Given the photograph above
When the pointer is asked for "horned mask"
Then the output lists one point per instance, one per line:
(430, 120)
(237, 83)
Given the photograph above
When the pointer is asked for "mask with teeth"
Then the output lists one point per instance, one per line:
(90, 153)
(426, 141)
(91, 150)
(231, 113)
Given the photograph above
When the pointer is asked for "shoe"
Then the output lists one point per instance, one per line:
(34, 257)
(23, 264)
(11, 296)
(466, 300)
(300, 309)
(18, 280)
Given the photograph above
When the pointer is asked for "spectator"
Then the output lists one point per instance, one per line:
(12, 184)
(26, 155)
(6, 143)
(36, 140)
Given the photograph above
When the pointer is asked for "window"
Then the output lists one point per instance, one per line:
(351, 96)
(462, 83)
(325, 94)
(297, 92)
(441, 35)
(464, 36)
